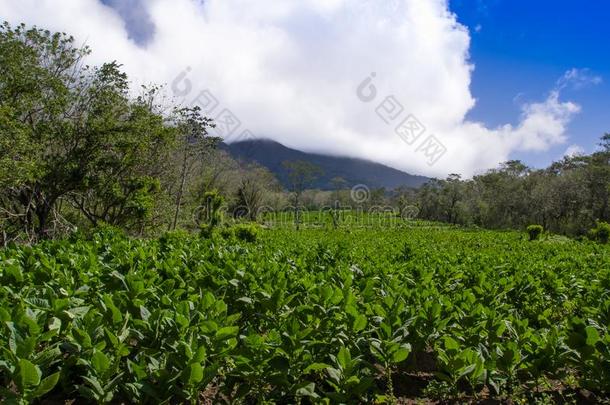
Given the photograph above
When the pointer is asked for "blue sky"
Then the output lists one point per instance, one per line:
(520, 48)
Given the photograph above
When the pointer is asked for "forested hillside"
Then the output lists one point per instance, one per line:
(271, 155)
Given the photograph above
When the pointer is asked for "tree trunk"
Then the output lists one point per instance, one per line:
(180, 193)
(43, 210)
(296, 210)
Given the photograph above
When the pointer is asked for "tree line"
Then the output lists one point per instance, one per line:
(569, 197)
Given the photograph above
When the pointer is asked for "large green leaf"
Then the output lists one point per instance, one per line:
(29, 374)
(46, 385)
(195, 374)
(100, 362)
(401, 354)
(227, 332)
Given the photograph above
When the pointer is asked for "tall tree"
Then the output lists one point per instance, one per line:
(301, 174)
(124, 187)
(193, 141)
(77, 132)
(255, 181)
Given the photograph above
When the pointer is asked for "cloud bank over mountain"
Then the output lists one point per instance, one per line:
(359, 78)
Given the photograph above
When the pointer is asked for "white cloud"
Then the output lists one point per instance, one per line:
(574, 150)
(289, 70)
(578, 79)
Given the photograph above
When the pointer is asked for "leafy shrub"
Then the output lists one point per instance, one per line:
(206, 230)
(406, 253)
(173, 239)
(534, 231)
(209, 214)
(227, 232)
(601, 232)
(247, 232)
(105, 232)
(244, 232)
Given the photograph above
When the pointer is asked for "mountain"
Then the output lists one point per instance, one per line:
(271, 155)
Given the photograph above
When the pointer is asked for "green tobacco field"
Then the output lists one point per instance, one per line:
(376, 314)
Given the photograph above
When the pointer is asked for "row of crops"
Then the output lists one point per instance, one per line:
(314, 316)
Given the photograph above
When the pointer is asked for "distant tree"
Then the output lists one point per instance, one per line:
(451, 197)
(338, 183)
(596, 171)
(404, 198)
(605, 142)
(255, 181)
(514, 168)
(376, 197)
(301, 174)
(220, 172)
